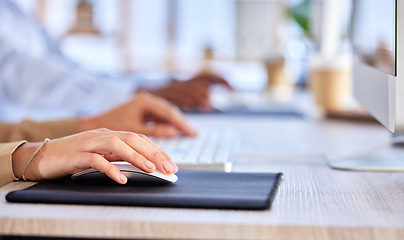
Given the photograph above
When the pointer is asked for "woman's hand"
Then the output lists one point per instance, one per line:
(92, 149)
(146, 114)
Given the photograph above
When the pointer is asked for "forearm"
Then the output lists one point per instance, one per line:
(37, 131)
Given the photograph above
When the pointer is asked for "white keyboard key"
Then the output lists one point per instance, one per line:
(192, 159)
(205, 159)
(210, 150)
(220, 159)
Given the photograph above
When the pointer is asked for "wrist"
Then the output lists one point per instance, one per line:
(20, 158)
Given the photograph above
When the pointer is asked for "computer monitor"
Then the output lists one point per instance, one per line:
(378, 70)
(378, 78)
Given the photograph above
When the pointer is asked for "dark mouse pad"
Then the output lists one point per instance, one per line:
(253, 191)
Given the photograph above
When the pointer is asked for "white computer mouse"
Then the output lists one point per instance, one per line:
(134, 175)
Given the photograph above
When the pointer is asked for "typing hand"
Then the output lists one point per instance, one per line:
(145, 114)
(193, 93)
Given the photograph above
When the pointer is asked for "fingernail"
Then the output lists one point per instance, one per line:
(167, 167)
(123, 178)
(148, 164)
(175, 167)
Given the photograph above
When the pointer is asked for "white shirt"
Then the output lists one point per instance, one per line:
(38, 82)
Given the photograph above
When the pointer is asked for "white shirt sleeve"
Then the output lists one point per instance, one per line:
(49, 83)
(35, 75)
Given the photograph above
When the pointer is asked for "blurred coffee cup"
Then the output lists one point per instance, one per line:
(331, 82)
(279, 84)
(276, 72)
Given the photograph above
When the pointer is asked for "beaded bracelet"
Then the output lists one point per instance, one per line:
(33, 155)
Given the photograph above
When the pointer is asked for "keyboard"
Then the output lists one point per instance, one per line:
(211, 150)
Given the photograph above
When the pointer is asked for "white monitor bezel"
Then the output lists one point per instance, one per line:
(380, 93)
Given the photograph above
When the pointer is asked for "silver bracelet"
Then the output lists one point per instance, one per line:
(33, 155)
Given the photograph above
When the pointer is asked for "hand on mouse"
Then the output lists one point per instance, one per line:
(145, 114)
(92, 149)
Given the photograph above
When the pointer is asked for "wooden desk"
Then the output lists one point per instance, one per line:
(313, 202)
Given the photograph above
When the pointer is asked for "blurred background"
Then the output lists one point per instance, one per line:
(181, 37)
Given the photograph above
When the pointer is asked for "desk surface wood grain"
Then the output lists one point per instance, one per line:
(313, 201)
